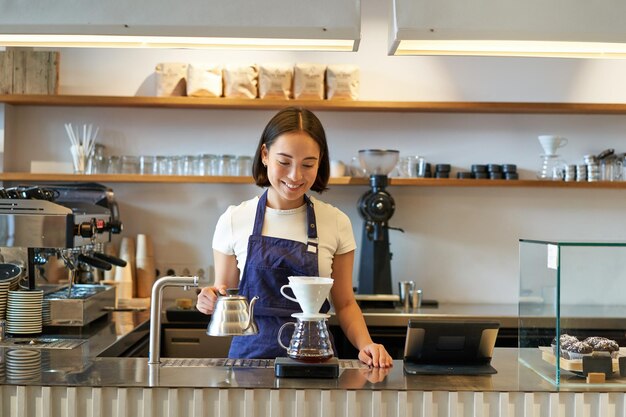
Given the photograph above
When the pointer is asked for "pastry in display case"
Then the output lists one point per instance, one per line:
(572, 310)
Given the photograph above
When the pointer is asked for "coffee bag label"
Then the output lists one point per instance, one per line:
(308, 82)
(275, 81)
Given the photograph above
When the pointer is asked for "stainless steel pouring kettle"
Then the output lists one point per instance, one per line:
(233, 316)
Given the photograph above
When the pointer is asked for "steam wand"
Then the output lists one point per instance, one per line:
(72, 265)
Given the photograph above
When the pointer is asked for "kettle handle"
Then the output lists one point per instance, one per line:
(280, 331)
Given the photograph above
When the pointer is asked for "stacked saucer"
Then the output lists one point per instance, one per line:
(45, 312)
(4, 292)
(23, 364)
(24, 312)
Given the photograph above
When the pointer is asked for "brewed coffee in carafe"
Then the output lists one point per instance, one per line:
(310, 341)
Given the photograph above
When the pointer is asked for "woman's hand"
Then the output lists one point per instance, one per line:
(376, 355)
(207, 298)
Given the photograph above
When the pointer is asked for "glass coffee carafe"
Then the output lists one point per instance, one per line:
(310, 341)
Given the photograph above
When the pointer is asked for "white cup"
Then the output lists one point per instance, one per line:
(144, 245)
(550, 143)
(310, 292)
(337, 168)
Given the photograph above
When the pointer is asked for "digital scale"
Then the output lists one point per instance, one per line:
(290, 368)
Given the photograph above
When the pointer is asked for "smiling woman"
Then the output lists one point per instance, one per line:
(291, 122)
(293, 164)
(260, 243)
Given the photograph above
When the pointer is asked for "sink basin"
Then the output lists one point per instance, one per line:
(188, 315)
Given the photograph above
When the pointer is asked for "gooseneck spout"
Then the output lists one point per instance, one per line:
(154, 356)
(251, 316)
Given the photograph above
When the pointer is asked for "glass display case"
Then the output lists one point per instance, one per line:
(575, 293)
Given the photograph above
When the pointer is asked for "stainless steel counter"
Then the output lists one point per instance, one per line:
(506, 314)
(76, 381)
(73, 368)
(80, 365)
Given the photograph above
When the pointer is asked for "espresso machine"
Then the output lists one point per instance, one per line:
(71, 223)
(376, 207)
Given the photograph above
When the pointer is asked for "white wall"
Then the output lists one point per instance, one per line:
(460, 243)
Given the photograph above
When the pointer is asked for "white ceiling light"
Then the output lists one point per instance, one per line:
(536, 28)
(330, 25)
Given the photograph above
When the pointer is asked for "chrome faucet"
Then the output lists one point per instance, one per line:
(154, 356)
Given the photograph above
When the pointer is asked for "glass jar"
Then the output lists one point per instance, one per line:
(197, 165)
(174, 165)
(162, 164)
(148, 165)
(115, 165)
(209, 163)
(225, 165)
(98, 149)
(186, 165)
(243, 166)
(130, 164)
(611, 168)
(97, 164)
(96, 161)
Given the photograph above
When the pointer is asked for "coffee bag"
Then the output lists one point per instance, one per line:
(308, 81)
(171, 79)
(204, 80)
(240, 81)
(275, 81)
(342, 82)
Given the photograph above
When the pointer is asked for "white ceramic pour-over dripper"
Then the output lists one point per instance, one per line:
(550, 143)
(310, 292)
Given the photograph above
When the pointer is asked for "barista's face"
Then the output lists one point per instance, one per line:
(292, 163)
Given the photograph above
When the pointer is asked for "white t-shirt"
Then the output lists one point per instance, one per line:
(334, 230)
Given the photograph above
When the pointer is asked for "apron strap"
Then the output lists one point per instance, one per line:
(312, 240)
(260, 215)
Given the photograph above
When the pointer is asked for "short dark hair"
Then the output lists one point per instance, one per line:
(293, 119)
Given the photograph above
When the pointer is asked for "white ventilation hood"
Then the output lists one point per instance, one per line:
(537, 28)
(333, 25)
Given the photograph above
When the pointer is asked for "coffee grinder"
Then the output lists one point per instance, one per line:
(376, 207)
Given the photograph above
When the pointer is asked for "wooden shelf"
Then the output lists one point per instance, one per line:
(318, 105)
(322, 105)
(128, 178)
(408, 182)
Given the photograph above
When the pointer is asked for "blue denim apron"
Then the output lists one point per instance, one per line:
(269, 264)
